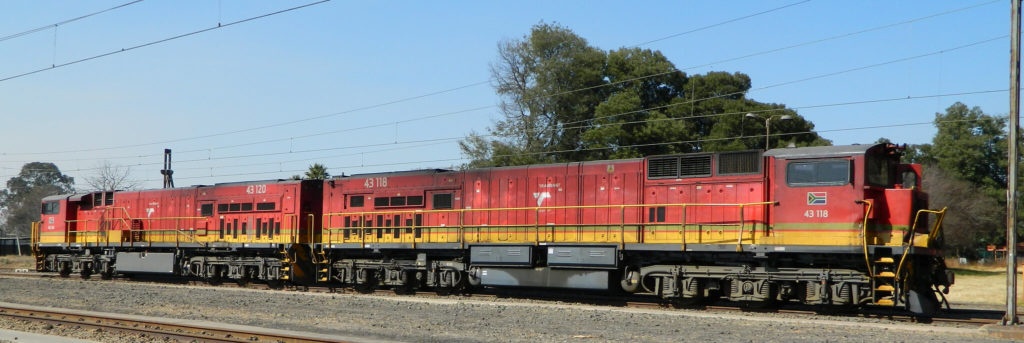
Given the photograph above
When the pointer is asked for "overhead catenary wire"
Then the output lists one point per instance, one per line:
(486, 81)
(442, 114)
(130, 48)
(702, 28)
(685, 102)
(66, 21)
(693, 141)
(401, 145)
(430, 141)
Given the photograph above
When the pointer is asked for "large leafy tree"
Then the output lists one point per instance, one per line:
(22, 198)
(965, 170)
(539, 79)
(564, 100)
(969, 144)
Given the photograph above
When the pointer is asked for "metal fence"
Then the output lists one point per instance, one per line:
(15, 246)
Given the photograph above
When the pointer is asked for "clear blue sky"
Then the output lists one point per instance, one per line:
(341, 55)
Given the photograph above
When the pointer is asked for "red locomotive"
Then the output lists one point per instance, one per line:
(844, 225)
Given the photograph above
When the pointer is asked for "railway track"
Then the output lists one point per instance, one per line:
(956, 316)
(155, 329)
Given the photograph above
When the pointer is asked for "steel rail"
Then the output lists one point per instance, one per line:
(968, 317)
(158, 328)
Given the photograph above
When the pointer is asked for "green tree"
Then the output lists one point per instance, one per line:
(533, 77)
(317, 171)
(21, 200)
(971, 145)
(973, 219)
(965, 169)
(564, 100)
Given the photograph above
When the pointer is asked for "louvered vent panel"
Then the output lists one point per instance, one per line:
(744, 162)
(663, 167)
(694, 166)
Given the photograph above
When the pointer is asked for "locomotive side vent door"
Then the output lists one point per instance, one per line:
(205, 225)
(816, 202)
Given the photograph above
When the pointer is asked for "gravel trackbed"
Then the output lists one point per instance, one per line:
(452, 319)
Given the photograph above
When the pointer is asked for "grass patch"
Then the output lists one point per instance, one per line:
(976, 272)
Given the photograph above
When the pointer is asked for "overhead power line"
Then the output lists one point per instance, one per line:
(433, 141)
(686, 102)
(45, 27)
(376, 105)
(763, 52)
(693, 141)
(702, 28)
(219, 26)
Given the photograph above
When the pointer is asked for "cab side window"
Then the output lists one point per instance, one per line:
(818, 173)
(51, 207)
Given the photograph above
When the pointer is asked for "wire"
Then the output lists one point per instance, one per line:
(41, 28)
(424, 142)
(219, 26)
(443, 114)
(591, 149)
(702, 28)
(382, 104)
(819, 76)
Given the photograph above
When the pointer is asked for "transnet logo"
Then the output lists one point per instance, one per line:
(817, 198)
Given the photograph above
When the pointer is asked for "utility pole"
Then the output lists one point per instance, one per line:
(167, 172)
(1011, 185)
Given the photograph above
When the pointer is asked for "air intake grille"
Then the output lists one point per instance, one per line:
(744, 162)
(663, 168)
(694, 166)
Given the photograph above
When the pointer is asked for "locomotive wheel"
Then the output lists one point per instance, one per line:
(215, 278)
(275, 284)
(107, 275)
(444, 291)
(405, 289)
(65, 270)
(759, 306)
(688, 302)
(85, 273)
(369, 286)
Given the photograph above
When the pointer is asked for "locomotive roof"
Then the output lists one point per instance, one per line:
(257, 182)
(396, 173)
(820, 151)
(57, 197)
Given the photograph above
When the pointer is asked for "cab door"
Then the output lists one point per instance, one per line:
(817, 201)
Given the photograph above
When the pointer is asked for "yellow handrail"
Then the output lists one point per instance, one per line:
(328, 229)
(913, 229)
(867, 257)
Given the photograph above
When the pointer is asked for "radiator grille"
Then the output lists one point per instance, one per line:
(694, 166)
(743, 162)
(663, 168)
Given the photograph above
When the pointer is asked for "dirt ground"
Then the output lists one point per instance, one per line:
(8, 263)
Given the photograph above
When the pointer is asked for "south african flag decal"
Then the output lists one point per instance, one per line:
(817, 198)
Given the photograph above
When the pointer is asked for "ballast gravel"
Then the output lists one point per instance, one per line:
(446, 319)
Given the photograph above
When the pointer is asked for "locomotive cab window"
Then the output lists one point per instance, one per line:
(818, 173)
(206, 210)
(51, 207)
(880, 170)
(355, 201)
(442, 201)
